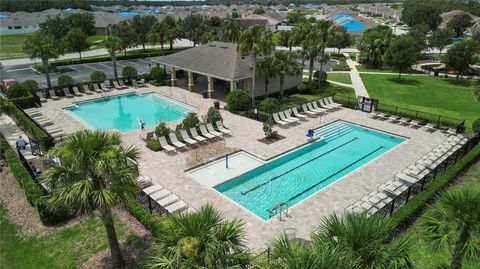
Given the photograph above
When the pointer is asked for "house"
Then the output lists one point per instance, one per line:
(268, 21)
(24, 22)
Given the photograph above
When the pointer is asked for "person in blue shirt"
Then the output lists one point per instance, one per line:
(21, 143)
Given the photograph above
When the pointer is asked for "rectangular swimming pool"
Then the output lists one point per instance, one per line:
(121, 112)
(289, 179)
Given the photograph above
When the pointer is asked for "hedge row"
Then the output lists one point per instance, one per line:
(150, 221)
(31, 128)
(34, 193)
(404, 214)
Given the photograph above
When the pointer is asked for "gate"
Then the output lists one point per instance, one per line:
(366, 104)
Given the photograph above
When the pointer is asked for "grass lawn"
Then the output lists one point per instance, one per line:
(429, 94)
(362, 68)
(353, 55)
(300, 98)
(96, 41)
(276, 38)
(66, 248)
(340, 77)
(422, 254)
(11, 46)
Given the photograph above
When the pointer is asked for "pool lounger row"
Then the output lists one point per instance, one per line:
(207, 131)
(81, 89)
(166, 199)
(292, 115)
(48, 125)
(428, 127)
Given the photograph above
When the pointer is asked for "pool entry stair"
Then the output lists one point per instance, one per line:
(333, 131)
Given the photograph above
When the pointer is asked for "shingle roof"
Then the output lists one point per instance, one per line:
(217, 59)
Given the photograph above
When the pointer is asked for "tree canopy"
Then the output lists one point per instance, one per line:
(459, 23)
(401, 54)
(422, 12)
(459, 57)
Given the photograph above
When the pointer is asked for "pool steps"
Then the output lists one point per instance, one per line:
(174, 105)
(334, 131)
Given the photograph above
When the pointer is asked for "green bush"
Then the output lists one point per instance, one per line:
(154, 144)
(39, 68)
(17, 91)
(129, 72)
(98, 76)
(190, 121)
(162, 130)
(270, 105)
(321, 74)
(342, 66)
(213, 115)
(414, 205)
(238, 100)
(30, 85)
(65, 80)
(476, 126)
(158, 74)
(307, 87)
(150, 221)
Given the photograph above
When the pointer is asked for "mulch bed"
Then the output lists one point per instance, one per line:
(270, 140)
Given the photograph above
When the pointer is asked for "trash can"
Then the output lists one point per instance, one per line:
(216, 104)
(205, 94)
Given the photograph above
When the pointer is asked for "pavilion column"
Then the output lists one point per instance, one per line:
(190, 81)
(210, 87)
(174, 76)
(233, 85)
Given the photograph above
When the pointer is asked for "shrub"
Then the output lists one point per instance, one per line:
(150, 221)
(238, 100)
(98, 76)
(213, 115)
(129, 72)
(342, 66)
(154, 144)
(321, 74)
(162, 130)
(17, 91)
(65, 80)
(30, 85)
(476, 126)
(307, 87)
(158, 74)
(190, 121)
(270, 105)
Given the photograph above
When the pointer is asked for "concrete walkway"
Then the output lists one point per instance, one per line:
(11, 132)
(341, 84)
(357, 82)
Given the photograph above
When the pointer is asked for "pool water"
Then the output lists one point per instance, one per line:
(130, 13)
(122, 111)
(343, 147)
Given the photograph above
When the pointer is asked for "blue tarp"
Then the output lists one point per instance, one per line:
(130, 13)
(354, 26)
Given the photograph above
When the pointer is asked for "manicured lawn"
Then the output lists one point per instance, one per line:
(340, 77)
(276, 38)
(353, 55)
(422, 254)
(65, 248)
(300, 98)
(96, 41)
(429, 94)
(11, 46)
(362, 68)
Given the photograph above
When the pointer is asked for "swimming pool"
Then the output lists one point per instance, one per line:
(295, 176)
(130, 13)
(121, 112)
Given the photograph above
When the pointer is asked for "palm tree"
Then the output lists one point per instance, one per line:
(113, 44)
(231, 31)
(366, 238)
(172, 30)
(96, 173)
(286, 65)
(158, 33)
(454, 223)
(256, 41)
(311, 49)
(43, 46)
(323, 59)
(200, 239)
(266, 68)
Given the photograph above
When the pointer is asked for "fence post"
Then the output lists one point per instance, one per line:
(416, 115)
(149, 204)
(439, 117)
(393, 206)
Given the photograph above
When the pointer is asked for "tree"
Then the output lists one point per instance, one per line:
(325, 29)
(96, 173)
(287, 65)
(231, 31)
(142, 25)
(259, 10)
(238, 100)
(55, 27)
(127, 35)
(158, 74)
(339, 38)
(30, 85)
(17, 91)
(98, 76)
(367, 239)
(84, 21)
(459, 57)
(373, 44)
(200, 239)
(441, 38)
(459, 23)
(193, 27)
(453, 223)
(401, 54)
(43, 46)
(422, 12)
(418, 34)
(65, 80)
(285, 37)
(266, 68)
(76, 40)
(171, 30)
(129, 72)
(255, 40)
(311, 49)
(113, 44)
(158, 33)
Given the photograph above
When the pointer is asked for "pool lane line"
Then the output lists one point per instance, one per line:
(330, 176)
(288, 171)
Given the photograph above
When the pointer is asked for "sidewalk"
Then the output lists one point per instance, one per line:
(357, 82)
(11, 132)
(91, 53)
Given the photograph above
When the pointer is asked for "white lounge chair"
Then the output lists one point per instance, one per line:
(97, 88)
(211, 130)
(42, 96)
(323, 105)
(32, 112)
(297, 114)
(175, 142)
(86, 91)
(53, 95)
(186, 138)
(221, 128)
(308, 111)
(331, 102)
(67, 92)
(152, 189)
(142, 83)
(205, 133)
(415, 124)
(177, 207)
(196, 136)
(278, 120)
(284, 118)
(165, 145)
(313, 107)
(158, 195)
(287, 116)
(76, 92)
(430, 127)
(105, 87)
(122, 84)
(166, 201)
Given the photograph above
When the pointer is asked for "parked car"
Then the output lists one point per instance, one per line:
(7, 83)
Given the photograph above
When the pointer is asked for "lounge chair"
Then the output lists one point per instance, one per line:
(297, 114)
(166, 201)
(67, 92)
(430, 127)
(152, 189)
(44, 122)
(175, 142)
(76, 92)
(105, 87)
(278, 120)
(404, 121)
(97, 88)
(117, 86)
(393, 119)
(284, 116)
(331, 102)
(165, 145)
(204, 132)
(122, 84)
(141, 83)
(313, 106)
(288, 114)
(308, 111)
(177, 207)
(32, 112)
(322, 103)
(186, 138)
(221, 128)
(41, 95)
(196, 136)
(212, 130)
(158, 195)
(406, 178)
(144, 181)
(415, 124)
(53, 95)
(53, 129)
(86, 91)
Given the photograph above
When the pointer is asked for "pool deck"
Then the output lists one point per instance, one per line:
(305, 216)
